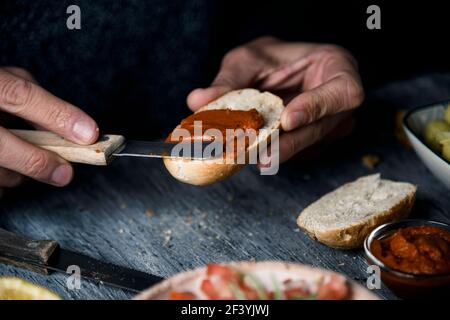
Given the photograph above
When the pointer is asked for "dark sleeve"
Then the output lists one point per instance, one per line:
(411, 40)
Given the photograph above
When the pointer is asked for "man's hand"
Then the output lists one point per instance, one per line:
(319, 84)
(22, 97)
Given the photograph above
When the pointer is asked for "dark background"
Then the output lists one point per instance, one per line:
(133, 62)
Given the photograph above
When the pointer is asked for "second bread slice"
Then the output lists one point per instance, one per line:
(345, 216)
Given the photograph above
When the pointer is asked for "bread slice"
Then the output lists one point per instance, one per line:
(345, 216)
(203, 172)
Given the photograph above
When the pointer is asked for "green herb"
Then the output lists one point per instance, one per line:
(256, 284)
(237, 292)
(277, 294)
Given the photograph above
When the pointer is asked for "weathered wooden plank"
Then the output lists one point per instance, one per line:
(134, 214)
(25, 253)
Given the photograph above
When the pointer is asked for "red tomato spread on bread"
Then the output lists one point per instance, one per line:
(223, 119)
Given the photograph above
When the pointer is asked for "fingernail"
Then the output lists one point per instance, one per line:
(84, 130)
(62, 175)
(295, 119)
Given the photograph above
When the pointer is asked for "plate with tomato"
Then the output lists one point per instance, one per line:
(269, 280)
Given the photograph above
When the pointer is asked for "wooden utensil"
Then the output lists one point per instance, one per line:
(110, 146)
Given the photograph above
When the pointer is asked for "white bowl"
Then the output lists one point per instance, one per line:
(414, 125)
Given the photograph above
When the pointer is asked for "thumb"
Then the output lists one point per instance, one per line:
(239, 69)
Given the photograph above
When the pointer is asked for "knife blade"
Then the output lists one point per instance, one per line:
(159, 149)
(102, 272)
(111, 146)
(44, 256)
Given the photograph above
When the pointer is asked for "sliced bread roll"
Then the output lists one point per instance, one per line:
(345, 216)
(204, 172)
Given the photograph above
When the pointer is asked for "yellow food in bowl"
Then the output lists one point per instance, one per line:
(437, 135)
(444, 140)
(432, 130)
(446, 150)
(447, 115)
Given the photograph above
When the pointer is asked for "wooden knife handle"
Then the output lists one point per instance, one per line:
(25, 253)
(98, 154)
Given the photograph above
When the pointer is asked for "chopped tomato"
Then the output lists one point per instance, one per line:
(223, 272)
(182, 295)
(219, 282)
(296, 293)
(250, 293)
(334, 288)
(208, 288)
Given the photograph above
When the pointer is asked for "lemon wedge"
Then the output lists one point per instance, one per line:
(18, 289)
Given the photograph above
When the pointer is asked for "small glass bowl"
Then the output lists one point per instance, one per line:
(408, 285)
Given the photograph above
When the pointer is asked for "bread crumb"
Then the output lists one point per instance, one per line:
(149, 212)
(370, 161)
(120, 230)
(167, 237)
(123, 205)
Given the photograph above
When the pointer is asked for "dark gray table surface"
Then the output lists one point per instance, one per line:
(133, 213)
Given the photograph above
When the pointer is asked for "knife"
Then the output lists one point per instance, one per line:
(44, 256)
(111, 146)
